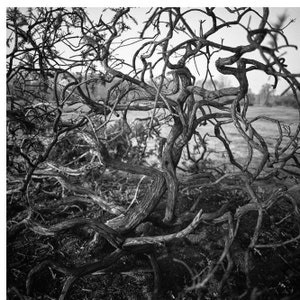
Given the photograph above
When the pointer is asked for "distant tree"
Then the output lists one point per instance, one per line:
(286, 99)
(252, 98)
(266, 95)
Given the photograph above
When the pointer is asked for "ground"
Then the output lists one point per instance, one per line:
(274, 272)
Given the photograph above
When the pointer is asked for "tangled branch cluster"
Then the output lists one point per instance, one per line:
(70, 101)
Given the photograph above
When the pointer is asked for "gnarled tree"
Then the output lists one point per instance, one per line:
(90, 98)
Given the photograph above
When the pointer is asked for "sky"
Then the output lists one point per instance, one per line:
(234, 37)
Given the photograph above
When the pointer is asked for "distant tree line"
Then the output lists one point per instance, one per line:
(267, 97)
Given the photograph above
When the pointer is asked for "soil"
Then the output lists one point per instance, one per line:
(274, 273)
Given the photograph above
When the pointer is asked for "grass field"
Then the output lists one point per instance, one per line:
(216, 152)
(265, 127)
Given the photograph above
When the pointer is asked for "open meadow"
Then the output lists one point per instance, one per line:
(288, 119)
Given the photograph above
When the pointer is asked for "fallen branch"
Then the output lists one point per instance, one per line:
(130, 242)
(109, 234)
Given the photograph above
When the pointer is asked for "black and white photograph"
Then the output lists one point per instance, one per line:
(152, 152)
